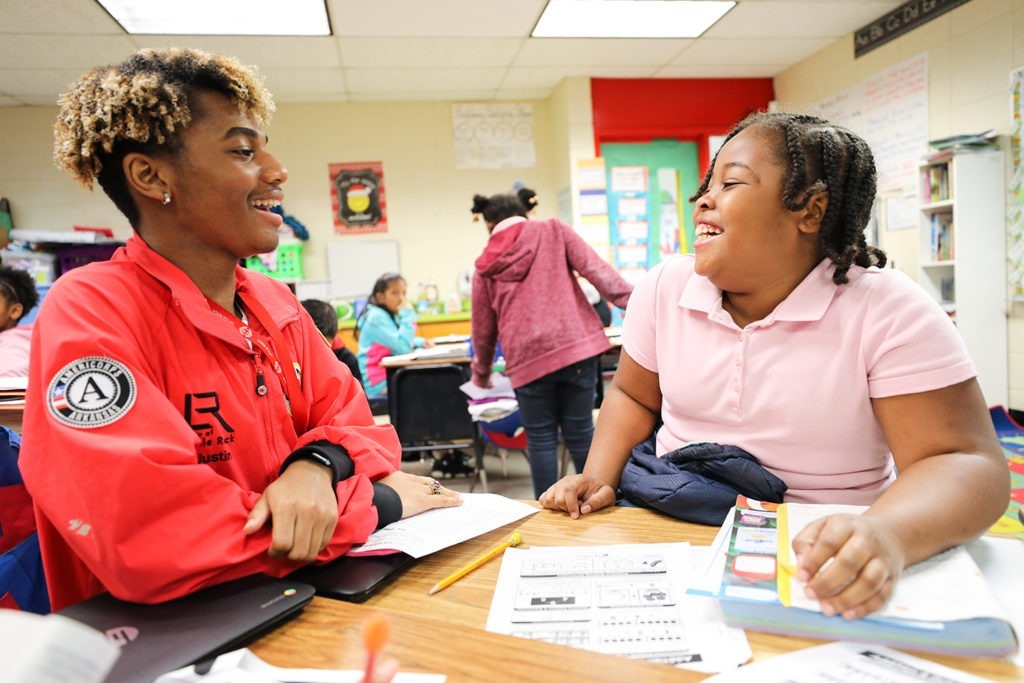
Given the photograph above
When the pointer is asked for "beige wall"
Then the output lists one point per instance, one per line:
(428, 200)
(971, 51)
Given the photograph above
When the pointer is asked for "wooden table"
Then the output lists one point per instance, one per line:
(10, 416)
(443, 633)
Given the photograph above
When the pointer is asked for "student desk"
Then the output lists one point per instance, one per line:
(10, 416)
(428, 326)
(443, 633)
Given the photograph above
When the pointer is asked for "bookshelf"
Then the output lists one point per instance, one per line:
(962, 254)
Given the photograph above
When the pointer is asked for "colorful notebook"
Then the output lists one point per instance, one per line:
(940, 605)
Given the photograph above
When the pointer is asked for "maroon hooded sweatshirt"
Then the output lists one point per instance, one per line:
(525, 293)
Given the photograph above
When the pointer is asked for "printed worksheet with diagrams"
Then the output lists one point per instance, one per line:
(627, 600)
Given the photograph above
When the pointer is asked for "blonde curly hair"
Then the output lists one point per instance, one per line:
(139, 105)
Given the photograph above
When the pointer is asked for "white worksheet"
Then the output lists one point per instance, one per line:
(440, 528)
(627, 600)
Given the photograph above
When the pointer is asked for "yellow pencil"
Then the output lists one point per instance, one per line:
(515, 540)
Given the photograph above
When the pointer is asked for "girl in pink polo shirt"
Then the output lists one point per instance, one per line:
(783, 336)
(18, 296)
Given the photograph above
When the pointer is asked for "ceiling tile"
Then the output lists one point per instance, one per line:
(37, 51)
(282, 83)
(577, 52)
(415, 49)
(419, 80)
(56, 16)
(730, 51)
(536, 77)
(427, 52)
(721, 71)
(798, 19)
(468, 18)
(267, 52)
(442, 95)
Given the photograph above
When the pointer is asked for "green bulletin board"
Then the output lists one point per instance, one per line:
(656, 156)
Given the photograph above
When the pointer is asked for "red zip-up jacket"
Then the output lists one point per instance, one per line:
(146, 443)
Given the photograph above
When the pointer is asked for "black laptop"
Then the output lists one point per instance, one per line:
(354, 578)
(155, 639)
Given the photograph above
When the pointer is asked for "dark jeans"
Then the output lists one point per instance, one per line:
(564, 398)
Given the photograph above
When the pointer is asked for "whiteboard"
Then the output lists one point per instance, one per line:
(355, 265)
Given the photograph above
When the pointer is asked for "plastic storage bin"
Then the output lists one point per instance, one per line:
(40, 265)
(286, 266)
(79, 255)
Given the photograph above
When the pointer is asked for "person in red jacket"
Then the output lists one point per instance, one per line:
(185, 423)
(525, 293)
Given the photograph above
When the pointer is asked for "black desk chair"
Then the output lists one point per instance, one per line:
(429, 412)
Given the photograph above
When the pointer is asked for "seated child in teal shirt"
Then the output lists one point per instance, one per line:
(386, 327)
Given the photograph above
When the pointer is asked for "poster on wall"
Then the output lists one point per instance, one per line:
(672, 238)
(493, 136)
(592, 204)
(629, 217)
(357, 197)
(890, 111)
(1015, 215)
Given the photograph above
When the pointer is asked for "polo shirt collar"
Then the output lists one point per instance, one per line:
(808, 302)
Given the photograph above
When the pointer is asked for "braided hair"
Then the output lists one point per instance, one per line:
(821, 157)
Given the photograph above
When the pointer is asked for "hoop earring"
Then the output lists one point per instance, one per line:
(167, 198)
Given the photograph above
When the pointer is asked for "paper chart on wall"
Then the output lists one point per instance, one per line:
(627, 600)
(890, 111)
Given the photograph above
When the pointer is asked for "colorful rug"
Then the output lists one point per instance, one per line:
(1011, 437)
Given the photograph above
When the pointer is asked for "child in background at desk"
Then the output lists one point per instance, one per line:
(386, 327)
(525, 292)
(783, 336)
(18, 296)
(185, 424)
(325, 317)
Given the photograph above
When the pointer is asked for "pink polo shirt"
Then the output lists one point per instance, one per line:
(14, 347)
(793, 389)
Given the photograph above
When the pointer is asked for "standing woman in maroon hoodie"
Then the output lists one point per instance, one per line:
(525, 293)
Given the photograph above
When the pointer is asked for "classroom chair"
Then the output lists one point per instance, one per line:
(428, 411)
(507, 434)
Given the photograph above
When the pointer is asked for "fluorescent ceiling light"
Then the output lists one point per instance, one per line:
(628, 18)
(221, 17)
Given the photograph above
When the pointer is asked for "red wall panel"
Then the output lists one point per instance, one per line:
(689, 109)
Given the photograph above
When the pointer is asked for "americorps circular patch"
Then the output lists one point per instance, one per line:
(91, 392)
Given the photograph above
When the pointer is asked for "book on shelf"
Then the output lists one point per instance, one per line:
(942, 237)
(924, 612)
(935, 183)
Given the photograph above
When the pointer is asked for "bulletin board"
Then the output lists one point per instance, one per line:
(355, 265)
(655, 156)
(1015, 214)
